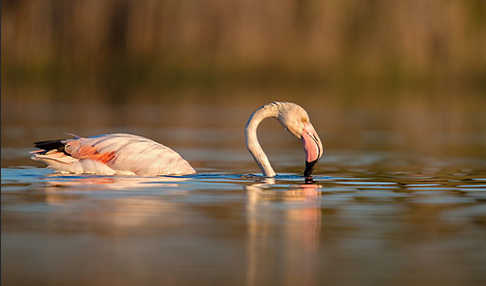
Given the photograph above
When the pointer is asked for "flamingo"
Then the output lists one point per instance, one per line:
(127, 154)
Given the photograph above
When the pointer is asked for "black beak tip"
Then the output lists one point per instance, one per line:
(309, 167)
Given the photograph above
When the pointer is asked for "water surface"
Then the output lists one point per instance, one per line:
(393, 203)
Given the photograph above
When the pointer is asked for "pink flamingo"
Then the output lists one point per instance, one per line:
(126, 154)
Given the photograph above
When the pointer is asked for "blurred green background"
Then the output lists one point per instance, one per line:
(396, 90)
(335, 43)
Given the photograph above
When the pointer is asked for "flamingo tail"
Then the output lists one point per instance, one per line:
(49, 145)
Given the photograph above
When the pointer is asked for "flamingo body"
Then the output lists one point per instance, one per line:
(112, 154)
(126, 154)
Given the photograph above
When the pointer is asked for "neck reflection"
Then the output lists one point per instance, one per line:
(284, 228)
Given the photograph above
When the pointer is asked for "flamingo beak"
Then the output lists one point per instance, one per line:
(313, 149)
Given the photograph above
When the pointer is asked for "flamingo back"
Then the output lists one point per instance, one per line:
(117, 153)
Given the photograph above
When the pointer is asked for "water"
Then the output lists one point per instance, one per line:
(385, 208)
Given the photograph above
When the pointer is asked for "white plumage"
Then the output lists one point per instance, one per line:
(126, 154)
(110, 154)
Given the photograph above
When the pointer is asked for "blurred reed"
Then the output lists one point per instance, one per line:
(275, 42)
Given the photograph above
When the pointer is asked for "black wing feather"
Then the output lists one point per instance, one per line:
(48, 145)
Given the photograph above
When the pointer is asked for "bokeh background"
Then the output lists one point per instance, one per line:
(396, 90)
(407, 75)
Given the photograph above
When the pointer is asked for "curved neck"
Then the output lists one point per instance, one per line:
(269, 110)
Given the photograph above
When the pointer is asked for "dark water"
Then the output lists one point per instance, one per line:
(393, 204)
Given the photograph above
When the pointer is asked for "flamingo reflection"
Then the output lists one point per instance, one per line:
(283, 225)
(118, 211)
(111, 182)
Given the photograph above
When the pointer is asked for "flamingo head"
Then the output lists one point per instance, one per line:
(296, 120)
